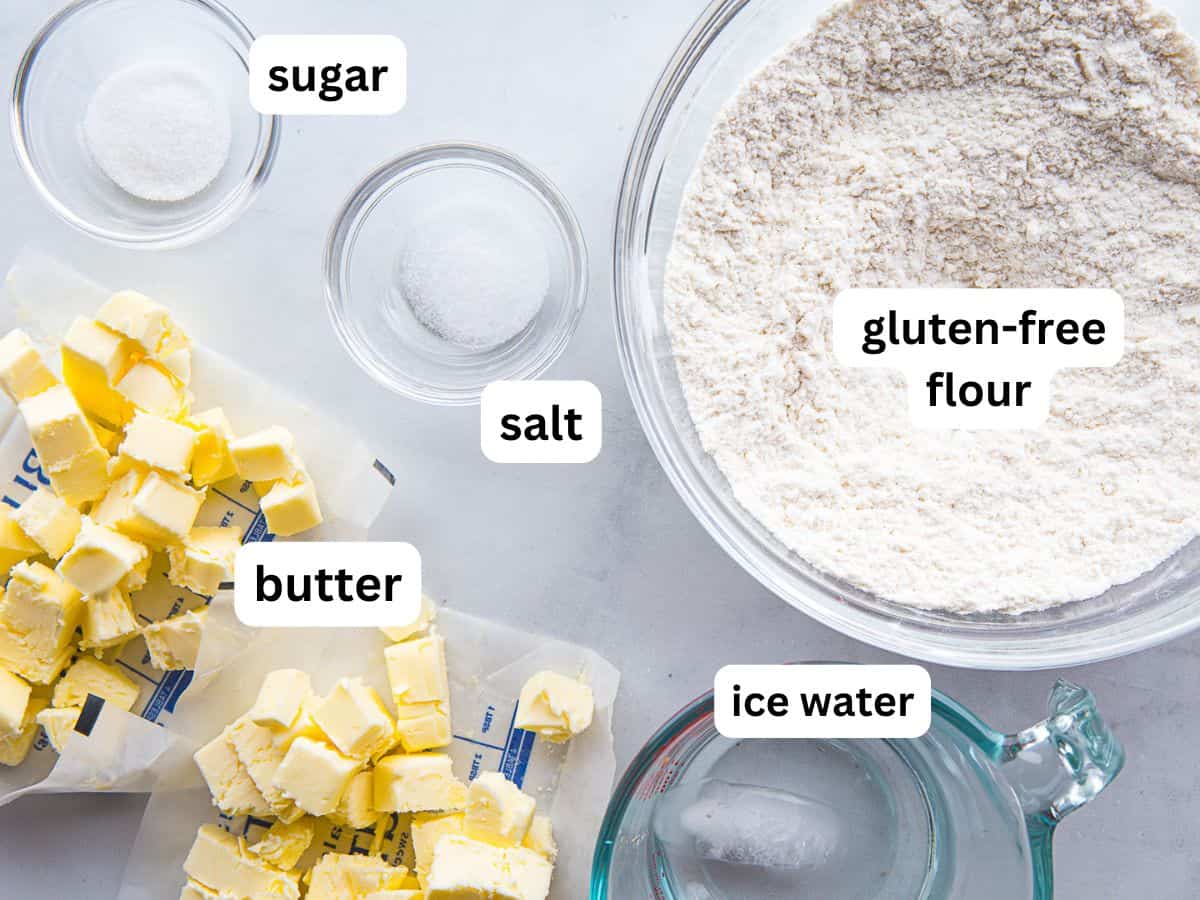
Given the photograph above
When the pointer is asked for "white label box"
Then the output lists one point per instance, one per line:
(328, 74)
(327, 584)
(823, 701)
(541, 422)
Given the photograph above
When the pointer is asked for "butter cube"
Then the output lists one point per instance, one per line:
(529, 873)
(135, 580)
(291, 508)
(38, 617)
(463, 869)
(22, 372)
(233, 790)
(355, 720)
(357, 806)
(115, 508)
(427, 830)
(194, 890)
(108, 620)
(341, 876)
(211, 459)
(100, 558)
(89, 675)
(281, 698)
(314, 775)
(217, 859)
(50, 522)
(179, 364)
(418, 782)
(150, 387)
(15, 747)
(83, 478)
(540, 839)
(59, 429)
(205, 559)
(159, 443)
(59, 724)
(417, 670)
(143, 321)
(17, 655)
(14, 701)
(497, 811)
(423, 726)
(93, 360)
(163, 510)
(284, 844)
(15, 544)
(174, 643)
(420, 624)
(555, 707)
(266, 455)
(109, 439)
(262, 756)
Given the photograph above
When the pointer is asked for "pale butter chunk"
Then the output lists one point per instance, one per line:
(59, 724)
(425, 618)
(93, 360)
(151, 387)
(50, 522)
(14, 701)
(108, 620)
(355, 720)
(39, 613)
(143, 321)
(540, 839)
(266, 455)
(555, 707)
(233, 790)
(15, 747)
(284, 844)
(418, 782)
(22, 371)
(464, 869)
(421, 691)
(211, 460)
(15, 544)
(158, 510)
(89, 675)
(292, 507)
(174, 643)
(159, 443)
(262, 755)
(220, 862)
(205, 559)
(314, 775)
(498, 812)
(356, 809)
(427, 830)
(342, 876)
(84, 478)
(281, 698)
(67, 448)
(100, 558)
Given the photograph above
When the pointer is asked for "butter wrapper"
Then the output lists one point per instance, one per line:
(114, 750)
(488, 664)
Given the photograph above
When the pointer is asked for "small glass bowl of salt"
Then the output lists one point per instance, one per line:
(454, 266)
(132, 119)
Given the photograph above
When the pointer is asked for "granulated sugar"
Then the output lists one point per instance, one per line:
(952, 143)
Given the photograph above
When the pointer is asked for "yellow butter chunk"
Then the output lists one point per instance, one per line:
(15, 544)
(314, 775)
(59, 724)
(89, 675)
(159, 443)
(357, 806)
(417, 670)
(93, 360)
(464, 869)
(22, 372)
(39, 613)
(143, 321)
(423, 726)
(150, 387)
(174, 643)
(262, 756)
(342, 876)
(281, 698)
(205, 559)
(50, 522)
(100, 558)
(108, 620)
(15, 747)
(420, 624)
(83, 478)
(427, 830)
(284, 844)
(266, 455)
(355, 720)
(135, 580)
(221, 862)
(497, 811)
(540, 839)
(110, 439)
(163, 511)
(418, 782)
(233, 790)
(58, 427)
(14, 701)
(211, 459)
(179, 363)
(194, 890)
(554, 706)
(291, 508)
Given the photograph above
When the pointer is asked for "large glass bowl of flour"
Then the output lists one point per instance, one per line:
(730, 42)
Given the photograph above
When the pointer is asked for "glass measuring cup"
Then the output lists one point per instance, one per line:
(964, 812)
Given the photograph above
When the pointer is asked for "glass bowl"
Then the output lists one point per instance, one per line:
(730, 41)
(74, 53)
(373, 319)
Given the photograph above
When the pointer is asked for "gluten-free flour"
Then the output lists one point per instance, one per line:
(952, 143)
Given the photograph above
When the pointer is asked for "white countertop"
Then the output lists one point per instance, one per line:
(604, 554)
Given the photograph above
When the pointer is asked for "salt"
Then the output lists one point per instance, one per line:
(473, 275)
(159, 131)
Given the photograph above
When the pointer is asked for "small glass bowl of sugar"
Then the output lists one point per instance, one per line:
(132, 119)
(454, 266)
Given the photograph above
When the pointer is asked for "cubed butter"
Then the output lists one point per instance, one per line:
(555, 707)
(418, 782)
(159, 443)
(22, 372)
(314, 775)
(37, 666)
(417, 670)
(342, 876)
(179, 364)
(14, 701)
(423, 726)
(143, 321)
(497, 811)
(100, 558)
(540, 839)
(57, 426)
(49, 521)
(15, 747)
(135, 580)
(355, 720)
(194, 890)
(266, 455)
(150, 387)
(291, 508)
(108, 620)
(174, 643)
(161, 512)
(89, 675)
(83, 478)
(93, 360)
(464, 869)
(357, 806)
(39, 613)
(205, 559)
(109, 438)
(529, 873)
(59, 725)
(233, 790)
(259, 753)
(281, 698)
(15, 544)
(285, 844)
(427, 830)
(418, 625)
(220, 861)
(211, 459)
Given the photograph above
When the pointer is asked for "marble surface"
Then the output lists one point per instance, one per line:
(604, 554)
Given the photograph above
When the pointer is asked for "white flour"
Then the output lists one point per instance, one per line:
(952, 143)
